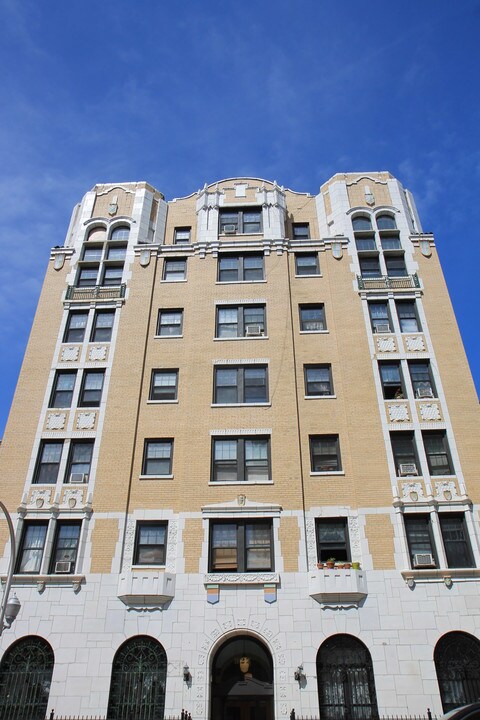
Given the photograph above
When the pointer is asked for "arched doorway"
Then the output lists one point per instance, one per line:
(457, 663)
(139, 674)
(25, 678)
(242, 681)
(346, 687)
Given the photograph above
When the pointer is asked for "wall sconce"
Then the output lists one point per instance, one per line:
(186, 673)
(448, 581)
(299, 675)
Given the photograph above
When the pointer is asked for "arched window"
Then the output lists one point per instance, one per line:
(361, 223)
(139, 674)
(386, 222)
(121, 232)
(346, 688)
(457, 663)
(25, 677)
(96, 234)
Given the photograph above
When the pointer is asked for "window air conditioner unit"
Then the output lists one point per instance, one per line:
(78, 478)
(424, 392)
(382, 328)
(230, 229)
(407, 469)
(253, 330)
(64, 566)
(423, 560)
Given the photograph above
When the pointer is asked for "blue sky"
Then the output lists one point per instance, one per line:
(184, 93)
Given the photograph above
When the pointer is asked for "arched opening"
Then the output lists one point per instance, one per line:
(457, 663)
(242, 681)
(139, 674)
(25, 678)
(346, 687)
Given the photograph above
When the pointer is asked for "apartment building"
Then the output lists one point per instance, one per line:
(242, 462)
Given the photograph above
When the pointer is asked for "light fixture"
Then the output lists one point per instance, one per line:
(11, 610)
(186, 673)
(448, 581)
(299, 675)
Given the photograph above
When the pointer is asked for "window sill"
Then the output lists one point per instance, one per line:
(41, 581)
(236, 234)
(233, 405)
(139, 589)
(167, 337)
(439, 575)
(250, 337)
(319, 397)
(234, 578)
(310, 275)
(178, 280)
(162, 402)
(240, 482)
(155, 477)
(154, 568)
(313, 332)
(239, 282)
(326, 472)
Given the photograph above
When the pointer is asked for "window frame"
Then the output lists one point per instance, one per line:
(59, 525)
(141, 524)
(39, 464)
(465, 541)
(425, 546)
(340, 550)
(154, 386)
(174, 275)
(82, 401)
(402, 457)
(241, 546)
(397, 259)
(242, 270)
(177, 231)
(318, 366)
(239, 464)
(68, 329)
(305, 307)
(67, 403)
(87, 269)
(432, 453)
(22, 549)
(98, 329)
(373, 272)
(311, 269)
(392, 390)
(374, 322)
(327, 438)
(240, 385)
(426, 384)
(301, 230)
(408, 318)
(146, 459)
(241, 325)
(71, 460)
(240, 221)
(169, 311)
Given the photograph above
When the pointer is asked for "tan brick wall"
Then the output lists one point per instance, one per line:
(356, 192)
(193, 537)
(104, 540)
(379, 533)
(125, 202)
(289, 536)
(4, 534)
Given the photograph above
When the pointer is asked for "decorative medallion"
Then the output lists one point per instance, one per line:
(56, 421)
(445, 490)
(412, 491)
(86, 420)
(415, 344)
(59, 261)
(98, 353)
(398, 413)
(430, 411)
(69, 354)
(386, 344)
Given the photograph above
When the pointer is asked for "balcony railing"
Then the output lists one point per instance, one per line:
(383, 282)
(95, 292)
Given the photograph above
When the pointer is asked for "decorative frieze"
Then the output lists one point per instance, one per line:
(412, 492)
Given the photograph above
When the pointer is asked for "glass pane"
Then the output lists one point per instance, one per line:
(361, 223)
(120, 233)
(93, 254)
(255, 385)
(386, 222)
(52, 452)
(65, 381)
(117, 252)
(225, 450)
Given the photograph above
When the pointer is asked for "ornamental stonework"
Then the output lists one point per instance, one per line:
(97, 353)
(398, 413)
(430, 411)
(415, 343)
(69, 354)
(56, 421)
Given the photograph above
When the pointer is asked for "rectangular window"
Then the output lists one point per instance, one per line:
(395, 266)
(240, 268)
(240, 321)
(116, 252)
(79, 461)
(306, 264)
(390, 243)
(241, 546)
(366, 243)
(332, 539)
(62, 391)
(174, 269)
(65, 547)
(91, 390)
(404, 453)
(438, 452)
(170, 323)
(75, 329)
(150, 543)
(325, 453)
(312, 318)
(407, 316)
(181, 235)
(164, 385)
(243, 220)
(48, 462)
(392, 380)
(92, 253)
(244, 384)
(318, 380)
(102, 326)
(379, 317)
(157, 457)
(32, 545)
(245, 459)
(420, 540)
(421, 376)
(112, 275)
(369, 267)
(455, 541)
(301, 231)
(87, 276)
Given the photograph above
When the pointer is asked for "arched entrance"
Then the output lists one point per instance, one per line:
(346, 687)
(139, 674)
(25, 677)
(457, 663)
(242, 681)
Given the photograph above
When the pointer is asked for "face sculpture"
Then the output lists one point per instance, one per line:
(244, 664)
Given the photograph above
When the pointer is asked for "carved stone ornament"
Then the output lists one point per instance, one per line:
(386, 344)
(425, 248)
(170, 561)
(145, 257)
(446, 490)
(59, 261)
(56, 421)
(311, 543)
(113, 206)
(337, 250)
(98, 353)
(398, 413)
(72, 498)
(369, 196)
(430, 411)
(241, 578)
(40, 497)
(86, 420)
(69, 354)
(412, 491)
(415, 343)
(354, 536)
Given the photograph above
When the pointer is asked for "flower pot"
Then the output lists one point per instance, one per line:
(330, 565)
(320, 566)
(355, 566)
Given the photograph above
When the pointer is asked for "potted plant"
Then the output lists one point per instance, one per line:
(331, 562)
(320, 565)
(355, 565)
(347, 565)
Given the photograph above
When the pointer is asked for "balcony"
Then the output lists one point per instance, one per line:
(384, 282)
(95, 292)
(337, 587)
(146, 587)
